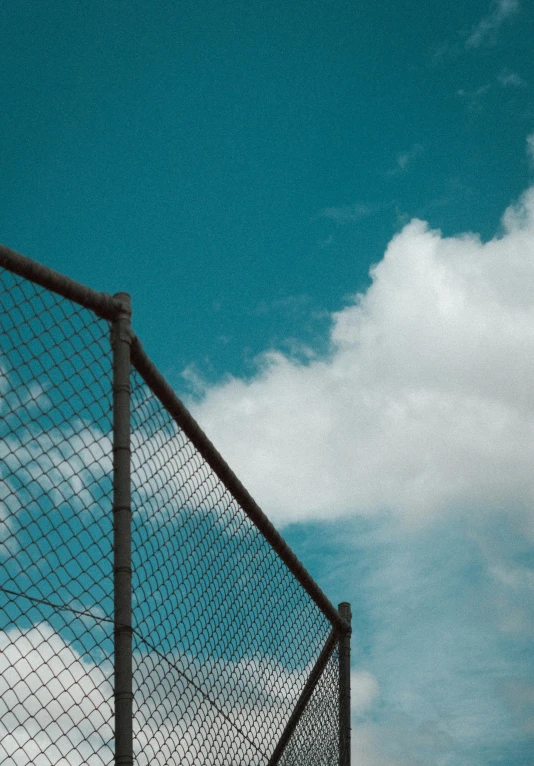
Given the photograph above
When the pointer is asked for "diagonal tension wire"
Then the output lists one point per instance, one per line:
(198, 688)
(63, 607)
(57, 607)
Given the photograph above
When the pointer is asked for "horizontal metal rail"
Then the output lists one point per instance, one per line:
(104, 305)
(160, 388)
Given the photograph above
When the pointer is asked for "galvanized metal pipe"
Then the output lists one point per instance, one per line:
(121, 336)
(344, 689)
(102, 304)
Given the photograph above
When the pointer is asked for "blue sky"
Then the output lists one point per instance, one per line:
(240, 168)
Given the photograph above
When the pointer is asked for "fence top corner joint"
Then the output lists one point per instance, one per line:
(104, 305)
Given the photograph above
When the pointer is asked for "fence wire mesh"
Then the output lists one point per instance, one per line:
(56, 579)
(316, 738)
(224, 636)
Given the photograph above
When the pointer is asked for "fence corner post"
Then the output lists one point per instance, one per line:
(344, 688)
(121, 336)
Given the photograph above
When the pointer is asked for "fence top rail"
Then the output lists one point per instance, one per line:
(162, 390)
(104, 305)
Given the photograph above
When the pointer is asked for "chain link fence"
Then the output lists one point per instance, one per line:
(56, 531)
(150, 613)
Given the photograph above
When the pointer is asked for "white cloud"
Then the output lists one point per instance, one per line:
(67, 463)
(411, 743)
(364, 691)
(64, 463)
(530, 148)
(425, 403)
(486, 29)
(54, 706)
(476, 97)
(442, 649)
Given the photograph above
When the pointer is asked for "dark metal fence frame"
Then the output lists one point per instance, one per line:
(127, 351)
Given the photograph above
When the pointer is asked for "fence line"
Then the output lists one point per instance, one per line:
(224, 649)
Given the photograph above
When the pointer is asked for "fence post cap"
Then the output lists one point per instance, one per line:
(125, 301)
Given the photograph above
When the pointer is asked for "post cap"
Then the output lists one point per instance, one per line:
(125, 303)
(345, 611)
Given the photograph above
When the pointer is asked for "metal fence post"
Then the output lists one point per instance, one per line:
(344, 689)
(122, 535)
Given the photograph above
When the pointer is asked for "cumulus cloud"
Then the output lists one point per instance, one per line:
(488, 27)
(62, 463)
(424, 404)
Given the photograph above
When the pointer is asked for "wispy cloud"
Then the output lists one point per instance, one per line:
(486, 30)
(474, 98)
(365, 691)
(530, 148)
(404, 159)
(439, 654)
(483, 33)
(347, 213)
(509, 79)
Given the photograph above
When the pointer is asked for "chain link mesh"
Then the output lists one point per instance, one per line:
(224, 635)
(56, 579)
(315, 740)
